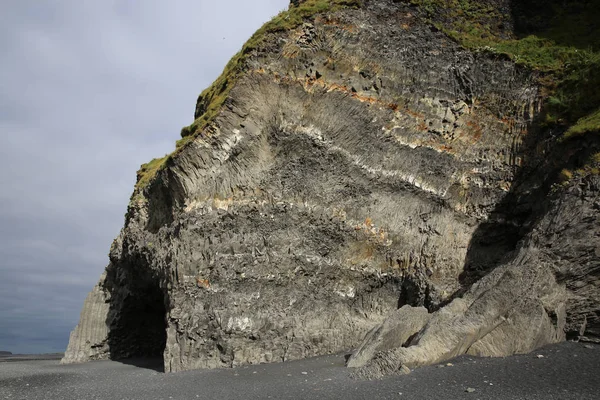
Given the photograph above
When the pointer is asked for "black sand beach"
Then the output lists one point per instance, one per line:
(565, 371)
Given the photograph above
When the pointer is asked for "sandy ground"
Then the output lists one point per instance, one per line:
(565, 371)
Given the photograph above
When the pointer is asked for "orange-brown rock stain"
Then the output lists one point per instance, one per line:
(202, 283)
(331, 21)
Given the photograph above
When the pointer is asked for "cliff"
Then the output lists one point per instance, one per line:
(423, 172)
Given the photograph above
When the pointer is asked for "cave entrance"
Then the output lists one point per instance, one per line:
(138, 331)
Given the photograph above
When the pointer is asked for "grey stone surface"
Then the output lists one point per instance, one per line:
(90, 334)
(363, 162)
(567, 371)
(400, 326)
(521, 305)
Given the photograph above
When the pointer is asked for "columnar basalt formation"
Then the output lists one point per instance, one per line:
(363, 165)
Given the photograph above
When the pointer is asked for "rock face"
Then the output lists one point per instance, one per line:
(542, 291)
(363, 166)
(398, 328)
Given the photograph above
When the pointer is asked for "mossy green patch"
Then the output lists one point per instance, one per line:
(588, 124)
(565, 176)
(148, 171)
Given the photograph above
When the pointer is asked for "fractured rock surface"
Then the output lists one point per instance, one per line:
(521, 305)
(364, 166)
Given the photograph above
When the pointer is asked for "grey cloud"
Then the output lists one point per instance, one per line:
(89, 91)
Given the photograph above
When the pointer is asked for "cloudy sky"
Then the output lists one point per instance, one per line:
(89, 90)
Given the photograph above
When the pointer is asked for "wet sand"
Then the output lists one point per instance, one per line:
(564, 371)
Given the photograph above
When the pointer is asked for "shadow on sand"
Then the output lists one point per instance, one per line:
(151, 363)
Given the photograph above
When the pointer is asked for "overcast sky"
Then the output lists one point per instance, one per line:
(89, 90)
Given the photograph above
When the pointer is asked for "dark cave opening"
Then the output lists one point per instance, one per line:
(138, 327)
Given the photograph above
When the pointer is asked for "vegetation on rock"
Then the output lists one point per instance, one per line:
(451, 197)
(148, 170)
(212, 98)
(587, 124)
(559, 39)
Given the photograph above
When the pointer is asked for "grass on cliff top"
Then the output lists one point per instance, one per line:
(587, 124)
(561, 39)
(148, 170)
(215, 95)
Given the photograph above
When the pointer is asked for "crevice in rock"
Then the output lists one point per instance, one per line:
(136, 320)
(414, 292)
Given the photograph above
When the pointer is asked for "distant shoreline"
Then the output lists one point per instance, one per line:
(5, 357)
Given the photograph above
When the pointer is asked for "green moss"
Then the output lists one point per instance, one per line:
(588, 124)
(182, 142)
(148, 171)
(565, 176)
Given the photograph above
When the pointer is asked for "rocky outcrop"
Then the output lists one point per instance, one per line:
(90, 335)
(521, 305)
(363, 165)
(398, 328)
